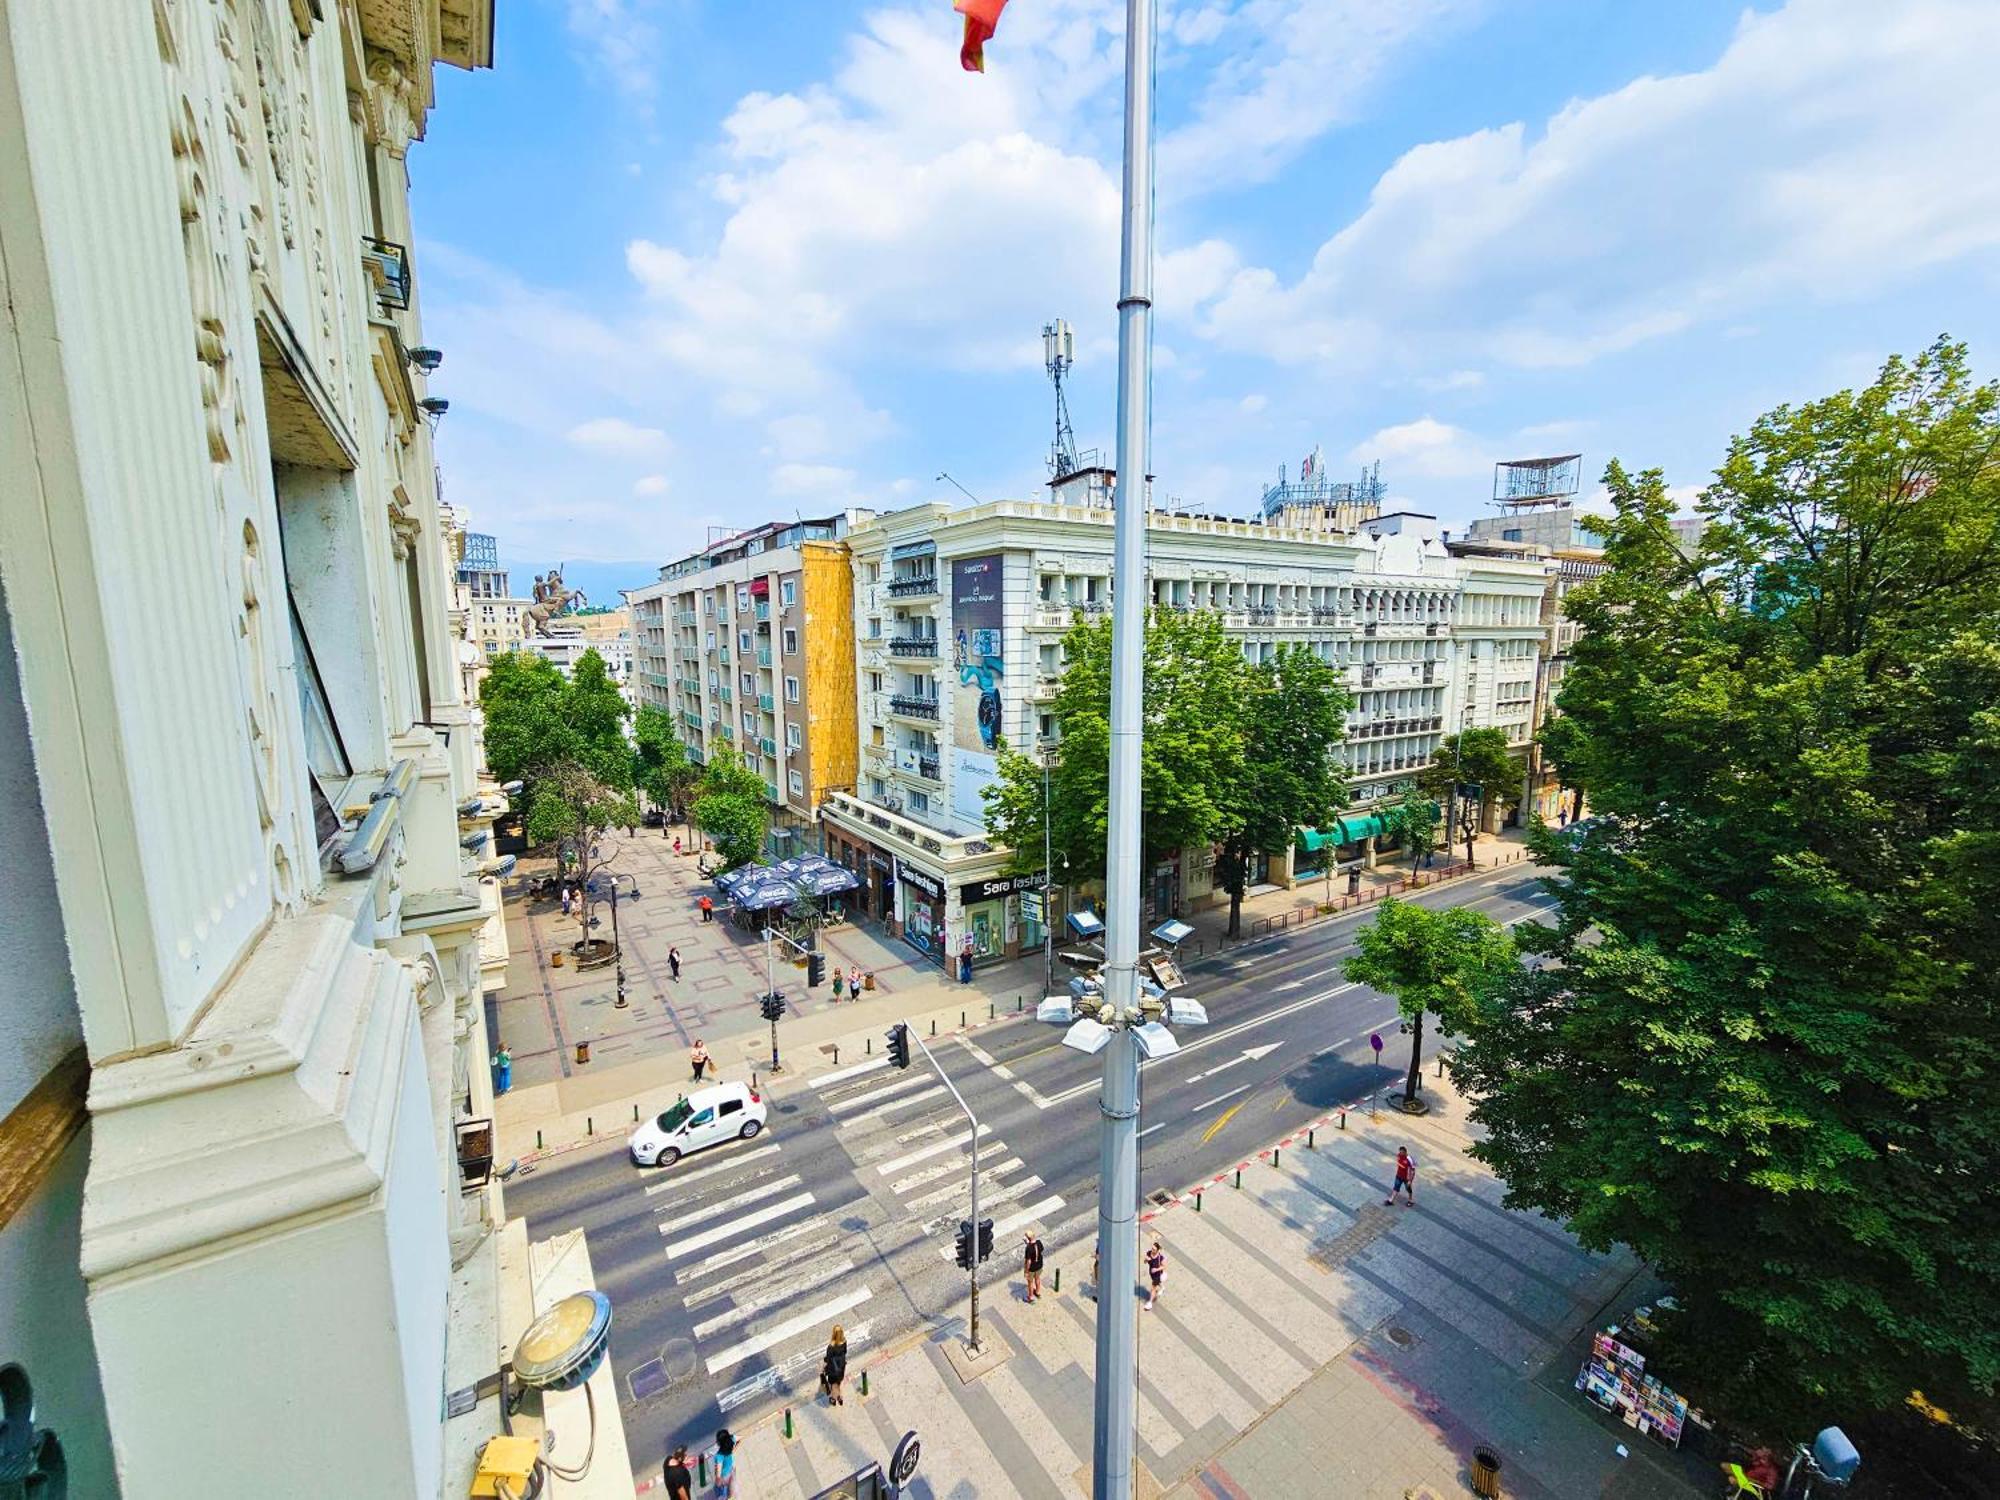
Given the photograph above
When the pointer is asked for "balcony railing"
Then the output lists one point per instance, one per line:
(768, 745)
(725, 695)
(1263, 614)
(763, 609)
(929, 767)
(913, 645)
(766, 702)
(913, 587)
(912, 707)
(388, 268)
(763, 656)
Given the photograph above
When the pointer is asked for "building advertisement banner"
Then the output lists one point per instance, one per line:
(978, 655)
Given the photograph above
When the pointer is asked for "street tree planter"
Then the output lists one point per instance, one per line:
(594, 953)
(1413, 1104)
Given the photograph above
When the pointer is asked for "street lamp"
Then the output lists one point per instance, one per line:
(1048, 884)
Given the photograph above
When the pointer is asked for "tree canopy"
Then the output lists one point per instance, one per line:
(1434, 960)
(1414, 820)
(731, 808)
(1294, 714)
(1765, 1054)
(537, 720)
(661, 767)
(1192, 753)
(1477, 757)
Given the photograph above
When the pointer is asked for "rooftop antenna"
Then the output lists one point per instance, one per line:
(1058, 355)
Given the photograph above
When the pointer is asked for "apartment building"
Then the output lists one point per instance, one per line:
(749, 644)
(959, 619)
(250, 1240)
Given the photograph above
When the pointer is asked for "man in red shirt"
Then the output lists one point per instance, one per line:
(1406, 1179)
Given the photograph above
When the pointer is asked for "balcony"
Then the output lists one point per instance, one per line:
(684, 617)
(692, 720)
(930, 768)
(725, 695)
(1263, 614)
(388, 268)
(769, 746)
(727, 731)
(913, 645)
(771, 791)
(913, 707)
(763, 656)
(1371, 628)
(763, 610)
(915, 586)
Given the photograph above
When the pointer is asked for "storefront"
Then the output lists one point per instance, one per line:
(990, 916)
(923, 911)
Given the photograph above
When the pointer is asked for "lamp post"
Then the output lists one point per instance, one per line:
(1048, 888)
(1118, 1163)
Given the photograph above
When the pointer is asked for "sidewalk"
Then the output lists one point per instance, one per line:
(1310, 1341)
(639, 1055)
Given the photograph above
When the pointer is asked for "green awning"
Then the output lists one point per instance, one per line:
(1354, 830)
(1311, 840)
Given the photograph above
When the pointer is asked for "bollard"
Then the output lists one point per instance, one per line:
(1309, 1140)
(1058, 1278)
(864, 1382)
(635, 1114)
(871, 1046)
(538, 1140)
(1274, 1156)
(1239, 1177)
(989, 1010)
(701, 1469)
(1440, 1065)
(961, 1020)
(1197, 1202)
(836, 1054)
(589, 1127)
(1020, 1004)
(753, 1083)
(933, 1025)
(788, 1422)
(1343, 1119)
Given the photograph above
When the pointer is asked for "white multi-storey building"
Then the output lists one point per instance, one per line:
(249, 1240)
(959, 619)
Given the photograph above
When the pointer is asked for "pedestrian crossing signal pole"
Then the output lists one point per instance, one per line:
(970, 1251)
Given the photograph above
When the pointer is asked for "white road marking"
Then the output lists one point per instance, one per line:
(943, 1194)
(1026, 1216)
(1292, 984)
(806, 1279)
(1004, 1194)
(682, 1179)
(1206, 1103)
(880, 1110)
(932, 1173)
(1249, 1054)
(782, 1372)
(978, 1051)
(711, 1211)
(792, 1327)
(828, 1080)
(950, 1143)
(757, 1246)
(791, 1257)
(748, 1221)
(1151, 1128)
(869, 1096)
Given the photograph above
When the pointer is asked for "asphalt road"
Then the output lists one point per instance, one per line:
(726, 1270)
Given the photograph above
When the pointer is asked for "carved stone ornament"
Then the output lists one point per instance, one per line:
(393, 106)
(32, 1465)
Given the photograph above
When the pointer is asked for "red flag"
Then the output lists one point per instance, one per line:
(981, 17)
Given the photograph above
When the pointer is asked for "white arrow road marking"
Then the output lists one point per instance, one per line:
(1294, 984)
(1249, 1054)
(736, 1353)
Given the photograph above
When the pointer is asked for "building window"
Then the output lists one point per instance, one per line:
(742, 596)
(875, 628)
(743, 640)
(791, 690)
(788, 593)
(798, 783)
(920, 802)
(791, 643)
(875, 787)
(794, 737)
(874, 682)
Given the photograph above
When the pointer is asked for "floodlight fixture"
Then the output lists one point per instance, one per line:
(1088, 1037)
(1155, 1041)
(426, 358)
(473, 840)
(498, 868)
(1183, 1011)
(1056, 1010)
(434, 406)
(511, 788)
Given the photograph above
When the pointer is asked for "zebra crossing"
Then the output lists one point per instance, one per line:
(922, 1156)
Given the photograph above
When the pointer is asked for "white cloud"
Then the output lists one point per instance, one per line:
(1454, 380)
(818, 480)
(1253, 403)
(1425, 449)
(651, 484)
(616, 435)
(621, 40)
(1835, 148)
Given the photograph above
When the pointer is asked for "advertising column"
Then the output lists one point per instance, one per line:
(979, 660)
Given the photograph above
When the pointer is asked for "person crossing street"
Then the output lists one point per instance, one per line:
(1031, 1264)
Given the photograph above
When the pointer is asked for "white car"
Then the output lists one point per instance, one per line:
(724, 1112)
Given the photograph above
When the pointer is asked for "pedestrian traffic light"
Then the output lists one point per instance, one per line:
(773, 1006)
(965, 1244)
(899, 1046)
(985, 1238)
(815, 969)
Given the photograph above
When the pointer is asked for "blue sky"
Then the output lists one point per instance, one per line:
(696, 264)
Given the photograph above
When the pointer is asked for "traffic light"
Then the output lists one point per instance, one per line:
(965, 1244)
(815, 969)
(899, 1046)
(985, 1238)
(773, 1006)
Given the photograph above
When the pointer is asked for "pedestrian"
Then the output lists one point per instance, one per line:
(1031, 1264)
(854, 982)
(839, 980)
(1405, 1178)
(565, 900)
(698, 1055)
(677, 844)
(725, 1463)
(680, 1483)
(833, 1370)
(674, 962)
(1094, 1254)
(1156, 1272)
(707, 909)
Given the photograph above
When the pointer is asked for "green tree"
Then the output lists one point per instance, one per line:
(660, 764)
(1191, 755)
(526, 731)
(1294, 714)
(1766, 1055)
(1476, 757)
(1414, 820)
(1435, 961)
(596, 711)
(730, 806)
(570, 808)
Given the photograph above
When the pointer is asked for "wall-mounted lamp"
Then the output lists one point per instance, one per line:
(434, 406)
(426, 358)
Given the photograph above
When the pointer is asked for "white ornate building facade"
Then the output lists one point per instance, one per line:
(247, 1242)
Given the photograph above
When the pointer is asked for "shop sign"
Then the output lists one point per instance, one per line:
(1002, 885)
(930, 885)
(880, 861)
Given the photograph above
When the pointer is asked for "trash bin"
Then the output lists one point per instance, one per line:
(583, 1052)
(1486, 1473)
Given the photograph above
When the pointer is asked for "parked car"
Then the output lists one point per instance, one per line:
(721, 1112)
(655, 817)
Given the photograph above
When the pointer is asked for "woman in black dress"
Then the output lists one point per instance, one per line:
(834, 1370)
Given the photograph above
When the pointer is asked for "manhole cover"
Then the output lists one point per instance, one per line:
(1163, 1199)
(648, 1379)
(1402, 1336)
